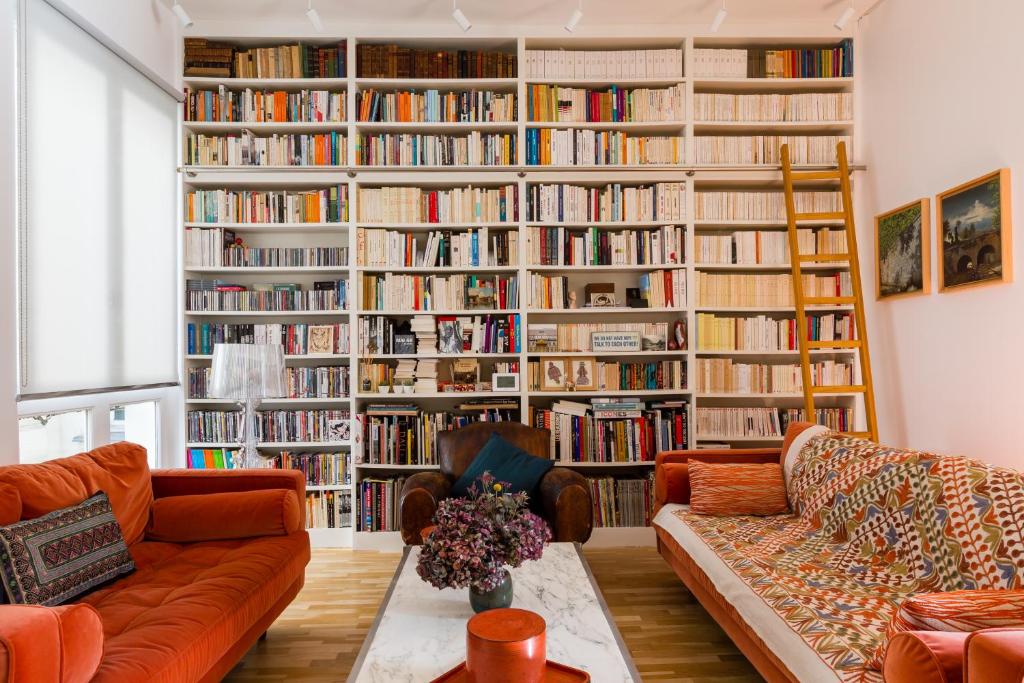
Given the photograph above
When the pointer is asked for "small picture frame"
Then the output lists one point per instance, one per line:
(902, 251)
(974, 232)
(583, 373)
(321, 340)
(553, 374)
(609, 342)
(505, 381)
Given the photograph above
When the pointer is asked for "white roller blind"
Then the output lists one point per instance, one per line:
(98, 248)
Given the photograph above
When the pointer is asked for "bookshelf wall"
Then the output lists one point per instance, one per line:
(682, 122)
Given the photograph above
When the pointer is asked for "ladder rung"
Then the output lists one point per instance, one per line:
(819, 258)
(802, 176)
(840, 389)
(821, 216)
(858, 435)
(829, 300)
(846, 344)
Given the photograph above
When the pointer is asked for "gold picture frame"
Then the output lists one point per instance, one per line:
(582, 372)
(902, 251)
(553, 374)
(973, 227)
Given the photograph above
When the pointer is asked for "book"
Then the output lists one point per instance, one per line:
(298, 339)
(559, 202)
(264, 106)
(726, 376)
(761, 333)
(827, 106)
(425, 149)
(767, 149)
(614, 104)
(612, 64)
(271, 425)
(469, 204)
(765, 206)
(246, 149)
(589, 147)
(328, 205)
(770, 289)
(559, 246)
(397, 61)
(433, 106)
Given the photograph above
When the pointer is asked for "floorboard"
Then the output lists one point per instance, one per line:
(318, 637)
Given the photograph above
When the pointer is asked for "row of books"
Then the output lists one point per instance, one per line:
(396, 61)
(326, 426)
(218, 247)
(469, 334)
(378, 504)
(761, 333)
(397, 292)
(292, 61)
(622, 501)
(590, 375)
(328, 510)
(559, 202)
(320, 469)
(298, 339)
(216, 295)
(246, 149)
(768, 206)
(559, 246)
(455, 205)
(827, 62)
(216, 459)
(767, 149)
(434, 106)
(613, 430)
(660, 63)
(402, 434)
(659, 288)
(557, 103)
(441, 248)
(588, 147)
(573, 337)
(725, 376)
(422, 149)
(265, 106)
(812, 106)
(768, 247)
(329, 205)
(329, 381)
(765, 289)
(765, 422)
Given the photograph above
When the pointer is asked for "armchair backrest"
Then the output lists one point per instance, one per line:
(456, 449)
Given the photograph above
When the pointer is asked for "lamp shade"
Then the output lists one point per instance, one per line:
(247, 371)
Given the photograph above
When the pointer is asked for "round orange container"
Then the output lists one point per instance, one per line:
(506, 646)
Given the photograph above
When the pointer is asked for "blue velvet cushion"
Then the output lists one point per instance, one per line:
(506, 463)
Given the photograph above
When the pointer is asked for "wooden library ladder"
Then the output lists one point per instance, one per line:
(842, 176)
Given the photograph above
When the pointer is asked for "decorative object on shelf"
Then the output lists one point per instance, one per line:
(248, 373)
(973, 221)
(477, 538)
(678, 341)
(614, 341)
(901, 251)
(651, 342)
(505, 381)
(449, 335)
(582, 374)
(600, 294)
(634, 299)
(571, 298)
(321, 339)
(465, 371)
(554, 377)
(405, 344)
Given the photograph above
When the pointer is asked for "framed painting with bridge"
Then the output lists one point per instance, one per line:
(974, 232)
(902, 256)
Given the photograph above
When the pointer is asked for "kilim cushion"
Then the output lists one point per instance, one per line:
(55, 558)
(737, 489)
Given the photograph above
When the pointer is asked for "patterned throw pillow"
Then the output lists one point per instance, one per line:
(962, 611)
(725, 489)
(52, 559)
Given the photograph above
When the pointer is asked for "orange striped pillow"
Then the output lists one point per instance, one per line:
(724, 489)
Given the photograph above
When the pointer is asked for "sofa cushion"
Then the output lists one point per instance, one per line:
(187, 605)
(506, 463)
(737, 489)
(55, 558)
(925, 657)
(221, 516)
(10, 505)
(120, 470)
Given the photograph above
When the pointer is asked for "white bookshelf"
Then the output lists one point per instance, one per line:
(696, 178)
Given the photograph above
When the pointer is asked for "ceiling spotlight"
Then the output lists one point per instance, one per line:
(182, 15)
(720, 16)
(314, 17)
(459, 17)
(844, 17)
(574, 20)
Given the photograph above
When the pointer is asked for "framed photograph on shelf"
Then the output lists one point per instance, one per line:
(449, 336)
(552, 376)
(583, 373)
(321, 340)
(902, 255)
(505, 381)
(974, 232)
(607, 342)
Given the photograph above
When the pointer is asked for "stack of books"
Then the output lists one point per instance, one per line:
(426, 376)
(425, 329)
(406, 370)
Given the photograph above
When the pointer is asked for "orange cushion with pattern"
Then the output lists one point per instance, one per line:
(723, 489)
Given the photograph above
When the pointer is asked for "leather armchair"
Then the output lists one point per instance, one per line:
(564, 493)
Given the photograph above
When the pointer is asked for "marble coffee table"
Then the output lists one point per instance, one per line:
(420, 632)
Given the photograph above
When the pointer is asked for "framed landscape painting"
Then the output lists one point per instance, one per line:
(974, 232)
(901, 251)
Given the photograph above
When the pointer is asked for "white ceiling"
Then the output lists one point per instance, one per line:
(521, 12)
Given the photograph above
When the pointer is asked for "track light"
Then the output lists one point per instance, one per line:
(182, 15)
(314, 17)
(844, 17)
(460, 18)
(574, 20)
(720, 16)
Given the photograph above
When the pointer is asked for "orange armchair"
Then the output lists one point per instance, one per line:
(59, 644)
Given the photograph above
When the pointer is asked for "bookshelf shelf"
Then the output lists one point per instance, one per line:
(813, 352)
(770, 84)
(602, 310)
(607, 82)
(453, 356)
(605, 225)
(272, 401)
(601, 354)
(435, 127)
(264, 127)
(760, 127)
(459, 312)
(328, 487)
(269, 269)
(385, 466)
(438, 83)
(602, 465)
(766, 395)
(446, 395)
(274, 227)
(277, 83)
(740, 439)
(268, 314)
(437, 226)
(609, 392)
(275, 445)
(767, 309)
(289, 358)
(771, 267)
(437, 269)
(755, 224)
(640, 126)
(606, 269)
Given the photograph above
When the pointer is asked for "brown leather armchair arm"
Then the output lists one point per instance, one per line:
(567, 505)
(420, 496)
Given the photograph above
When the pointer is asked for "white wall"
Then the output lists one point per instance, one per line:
(942, 103)
(148, 30)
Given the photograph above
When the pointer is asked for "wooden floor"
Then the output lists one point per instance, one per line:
(318, 637)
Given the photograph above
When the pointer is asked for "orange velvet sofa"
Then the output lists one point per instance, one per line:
(218, 555)
(994, 655)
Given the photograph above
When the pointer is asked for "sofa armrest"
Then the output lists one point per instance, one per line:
(919, 656)
(995, 654)
(420, 495)
(49, 644)
(195, 482)
(565, 495)
(672, 474)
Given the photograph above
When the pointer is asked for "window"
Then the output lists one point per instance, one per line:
(136, 422)
(52, 435)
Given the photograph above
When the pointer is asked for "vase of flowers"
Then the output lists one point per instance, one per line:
(476, 539)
